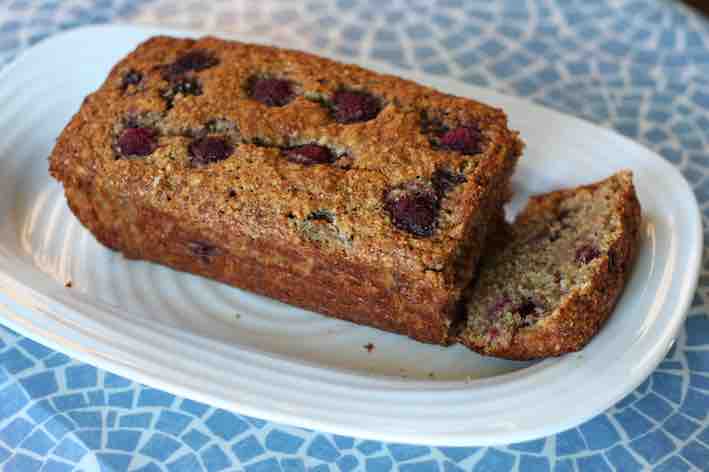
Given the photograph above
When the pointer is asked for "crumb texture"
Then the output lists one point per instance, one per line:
(554, 277)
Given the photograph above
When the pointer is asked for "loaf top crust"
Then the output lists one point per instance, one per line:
(246, 141)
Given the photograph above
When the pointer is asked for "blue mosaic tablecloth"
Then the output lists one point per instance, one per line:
(641, 67)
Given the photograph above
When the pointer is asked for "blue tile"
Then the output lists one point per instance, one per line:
(347, 463)
(656, 135)
(123, 440)
(528, 463)
(96, 398)
(41, 411)
(536, 47)
(115, 381)
(525, 87)
(439, 68)
(404, 452)
(653, 446)
(214, 459)
(671, 155)
(491, 48)
(226, 425)
(594, 463)
(704, 436)
(564, 466)
(22, 463)
(319, 468)
(267, 465)
(38, 442)
(172, 423)
(458, 454)
(70, 450)
(415, 31)
(695, 404)
(248, 448)
(378, 464)
(672, 464)
(90, 437)
(121, 399)
(154, 397)
(281, 441)
(136, 420)
(343, 442)
(35, 349)
(55, 466)
(646, 57)
(3, 376)
(680, 426)
(654, 407)
(160, 447)
(467, 59)
(195, 408)
(150, 467)
(626, 401)
(257, 423)
(292, 465)
(615, 47)
(15, 431)
(701, 99)
(448, 466)
(599, 433)
(578, 68)
(536, 446)
(697, 330)
(693, 40)
(494, 460)
(424, 466)
(57, 359)
(548, 75)
(81, 376)
(696, 454)
(657, 116)
(321, 448)
(569, 442)
(368, 447)
(667, 39)
(71, 401)
(4, 454)
(352, 33)
(394, 56)
(15, 361)
(86, 419)
(608, 68)
(623, 460)
(58, 426)
(113, 462)
(195, 440)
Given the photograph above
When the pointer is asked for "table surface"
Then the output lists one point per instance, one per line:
(639, 66)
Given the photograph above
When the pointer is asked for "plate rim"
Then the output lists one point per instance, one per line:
(22, 324)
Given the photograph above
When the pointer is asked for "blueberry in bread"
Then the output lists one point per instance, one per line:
(555, 274)
(324, 185)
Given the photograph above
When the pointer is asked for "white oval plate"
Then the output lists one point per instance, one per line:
(250, 354)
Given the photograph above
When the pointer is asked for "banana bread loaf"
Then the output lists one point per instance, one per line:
(556, 273)
(328, 186)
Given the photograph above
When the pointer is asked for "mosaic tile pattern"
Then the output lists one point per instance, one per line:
(639, 66)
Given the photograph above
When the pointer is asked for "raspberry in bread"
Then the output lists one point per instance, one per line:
(355, 194)
(556, 272)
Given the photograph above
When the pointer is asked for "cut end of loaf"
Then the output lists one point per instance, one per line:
(548, 289)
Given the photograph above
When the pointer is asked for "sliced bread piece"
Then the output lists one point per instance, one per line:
(556, 272)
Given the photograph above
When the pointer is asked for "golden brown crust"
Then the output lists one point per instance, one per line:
(573, 324)
(255, 205)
